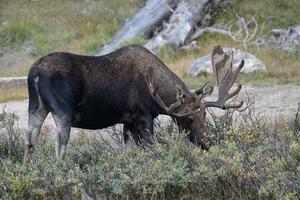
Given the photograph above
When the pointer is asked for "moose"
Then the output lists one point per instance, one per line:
(130, 86)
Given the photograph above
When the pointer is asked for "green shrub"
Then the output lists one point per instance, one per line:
(10, 136)
(15, 34)
(252, 161)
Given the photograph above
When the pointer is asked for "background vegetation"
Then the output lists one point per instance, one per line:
(83, 27)
(31, 29)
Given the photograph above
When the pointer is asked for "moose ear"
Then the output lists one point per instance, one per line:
(205, 90)
(199, 91)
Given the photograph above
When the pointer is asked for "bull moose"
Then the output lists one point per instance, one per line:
(130, 86)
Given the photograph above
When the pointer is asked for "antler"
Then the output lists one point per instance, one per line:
(173, 107)
(222, 66)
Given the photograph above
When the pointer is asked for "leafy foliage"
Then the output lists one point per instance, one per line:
(255, 161)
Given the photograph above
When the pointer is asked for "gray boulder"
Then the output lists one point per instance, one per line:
(286, 39)
(252, 64)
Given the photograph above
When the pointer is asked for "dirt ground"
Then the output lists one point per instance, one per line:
(273, 102)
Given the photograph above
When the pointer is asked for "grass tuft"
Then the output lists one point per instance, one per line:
(13, 93)
(16, 34)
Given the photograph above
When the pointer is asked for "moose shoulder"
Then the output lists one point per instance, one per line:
(130, 86)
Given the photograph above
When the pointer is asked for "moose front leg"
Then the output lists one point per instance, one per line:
(146, 131)
(141, 130)
(130, 128)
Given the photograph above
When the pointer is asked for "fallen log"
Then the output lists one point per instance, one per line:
(142, 24)
(185, 16)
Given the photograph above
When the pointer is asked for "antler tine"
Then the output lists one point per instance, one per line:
(238, 69)
(153, 92)
(226, 76)
(200, 90)
(169, 110)
(206, 90)
(235, 92)
(234, 105)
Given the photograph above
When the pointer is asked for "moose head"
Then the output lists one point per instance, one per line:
(190, 108)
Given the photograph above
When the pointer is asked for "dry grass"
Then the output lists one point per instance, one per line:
(20, 68)
(14, 93)
(179, 66)
(283, 67)
(66, 25)
(83, 27)
(80, 27)
(181, 62)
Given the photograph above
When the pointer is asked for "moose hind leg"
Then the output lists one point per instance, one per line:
(126, 133)
(63, 125)
(35, 122)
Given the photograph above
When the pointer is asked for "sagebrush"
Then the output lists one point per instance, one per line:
(254, 162)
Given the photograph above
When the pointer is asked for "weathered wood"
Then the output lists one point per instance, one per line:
(142, 23)
(187, 16)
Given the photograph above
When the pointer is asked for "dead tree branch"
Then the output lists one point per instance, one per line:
(246, 30)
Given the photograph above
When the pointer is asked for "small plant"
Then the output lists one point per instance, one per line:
(10, 138)
(15, 34)
(296, 124)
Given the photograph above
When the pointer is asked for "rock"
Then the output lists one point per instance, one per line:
(286, 39)
(252, 64)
